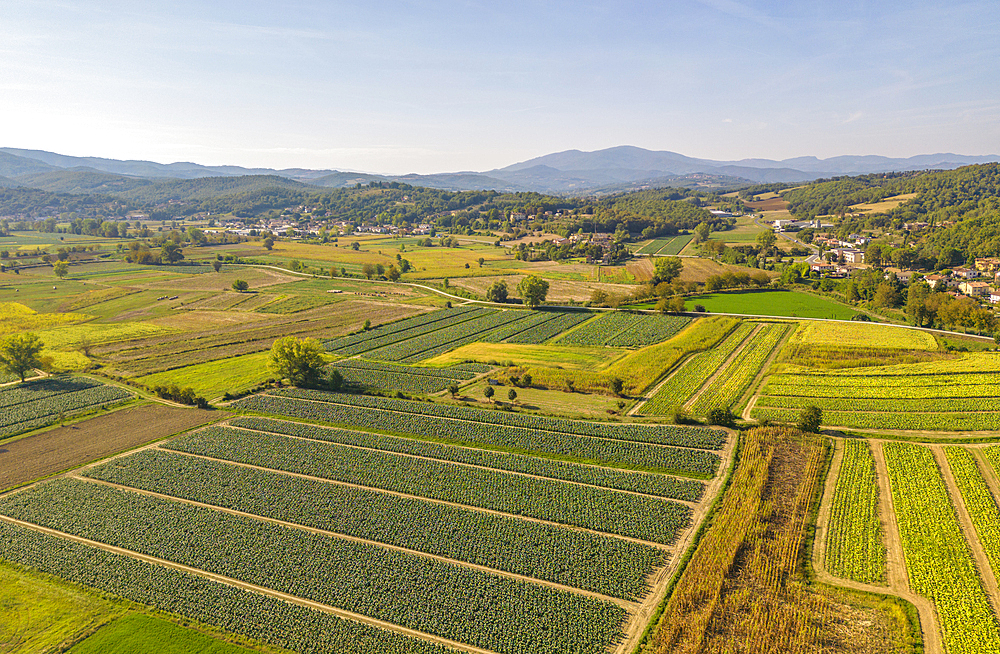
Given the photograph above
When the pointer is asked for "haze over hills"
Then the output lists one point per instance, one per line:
(570, 172)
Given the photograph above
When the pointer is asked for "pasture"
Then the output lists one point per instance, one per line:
(789, 304)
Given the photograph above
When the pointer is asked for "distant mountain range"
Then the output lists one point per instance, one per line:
(570, 172)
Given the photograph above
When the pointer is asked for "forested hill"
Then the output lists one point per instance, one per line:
(962, 206)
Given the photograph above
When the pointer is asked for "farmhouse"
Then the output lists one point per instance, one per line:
(975, 289)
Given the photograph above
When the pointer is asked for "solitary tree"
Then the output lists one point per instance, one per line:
(533, 290)
(497, 292)
(171, 252)
(810, 419)
(488, 393)
(60, 268)
(666, 269)
(19, 353)
(217, 265)
(268, 243)
(299, 361)
(512, 395)
(241, 285)
(701, 232)
(453, 389)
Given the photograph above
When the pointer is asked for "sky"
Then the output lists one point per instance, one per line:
(403, 86)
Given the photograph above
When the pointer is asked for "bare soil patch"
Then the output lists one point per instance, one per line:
(56, 450)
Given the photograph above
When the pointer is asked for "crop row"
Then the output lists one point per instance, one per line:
(967, 404)
(41, 412)
(40, 389)
(431, 345)
(534, 319)
(540, 333)
(646, 518)
(854, 545)
(640, 456)
(474, 607)
(454, 372)
(697, 437)
(609, 566)
(728, 387)
(446, 337)
(694, 373)
(981, 504)
(393, 381)
(243, 612)
(930, 421)
(401, 330)
(938, 560)
(992, 454)
(638, 482)
(621, 329)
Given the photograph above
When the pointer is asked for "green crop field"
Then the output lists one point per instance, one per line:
(790, 304)
(37, 403)
(40, 614)
(938, 561)
(144, 634)
(855, 547)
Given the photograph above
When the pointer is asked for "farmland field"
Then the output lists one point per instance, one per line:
(744, 583)
(143, 634)
(617, 329)
(938, 560)
(597, 534)
(855, 548)
(950, 395)
(790, 304)
(37, 403)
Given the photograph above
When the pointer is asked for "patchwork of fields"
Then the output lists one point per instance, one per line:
(921, 522)
(500, 531)
(402, 500)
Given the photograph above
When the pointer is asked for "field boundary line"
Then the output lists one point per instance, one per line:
(753, 391)
(493, 424)
(260, 590)
(896, 572)
(473, 465)
(625, 604)
(723, 366)
(986, 574)
(988, 472)
(826, 509)
(925, 608)
(468, 507)
(658, 385)
(636, 626)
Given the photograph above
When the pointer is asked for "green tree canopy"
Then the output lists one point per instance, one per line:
(19, 353)
(666, 269)
(300, 361)
(533, 290)
(497, 292)
(60, 268)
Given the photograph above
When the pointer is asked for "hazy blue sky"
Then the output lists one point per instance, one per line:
(408, 86)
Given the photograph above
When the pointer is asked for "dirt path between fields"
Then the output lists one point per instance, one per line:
(754, 390)
(479, 467)
(260, 590)
(625, 604)
(826, 507)
(662, 578)
(896, 561)
(969, 528)
(656, 388)
(424, 499)
(723, 366)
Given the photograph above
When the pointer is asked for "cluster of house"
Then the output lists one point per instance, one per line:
(979, 282)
